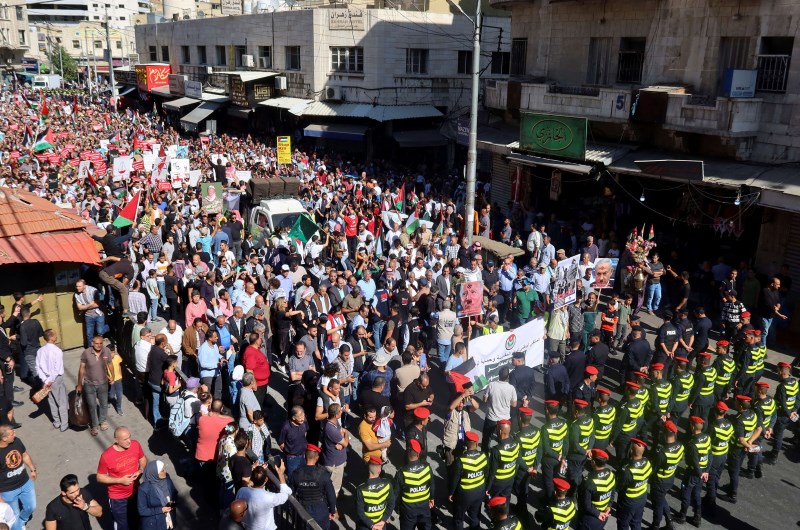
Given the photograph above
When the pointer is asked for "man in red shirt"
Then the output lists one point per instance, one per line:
(120, 467)
(255, 361)
(608, 322)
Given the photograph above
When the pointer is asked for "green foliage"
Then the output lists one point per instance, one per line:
(59, 56)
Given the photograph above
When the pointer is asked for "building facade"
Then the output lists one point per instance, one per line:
(15, 38)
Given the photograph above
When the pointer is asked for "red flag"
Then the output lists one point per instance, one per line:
(45, 111)
(74, 106)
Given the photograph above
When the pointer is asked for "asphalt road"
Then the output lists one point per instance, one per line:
(771, 502)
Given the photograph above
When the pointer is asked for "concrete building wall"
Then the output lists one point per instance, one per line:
(15, 37)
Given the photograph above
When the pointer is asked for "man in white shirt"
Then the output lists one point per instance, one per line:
(141, 353)
(501, 397)
(534, 241)
(174, 335)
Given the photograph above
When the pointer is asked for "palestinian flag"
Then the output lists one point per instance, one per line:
(44, 140)
(412, 223)
(114, 138)
(400, 199)
(303, 229)
(127, 216)
(27, 140)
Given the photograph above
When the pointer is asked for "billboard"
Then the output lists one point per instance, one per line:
(552, 135)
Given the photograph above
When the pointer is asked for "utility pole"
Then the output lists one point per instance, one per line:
(472, 149)
(110, 60)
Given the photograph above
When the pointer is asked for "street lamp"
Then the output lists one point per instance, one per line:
(472, 148)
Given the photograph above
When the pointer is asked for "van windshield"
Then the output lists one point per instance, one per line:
(280, 220)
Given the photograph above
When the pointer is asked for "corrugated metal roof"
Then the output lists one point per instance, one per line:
(286, 102)
(22, 212)
(339, 110)
(251, 76)
(403, 112)
(379, 113)
(50, 247)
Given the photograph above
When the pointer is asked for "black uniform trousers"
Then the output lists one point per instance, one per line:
(575, 464)
(781, 424)
(549, 469)
(489, 428)
(630, 512)
(502, 488)
(589, 522)
(714, 473)
(319, 512)
(735, 459)
(691, 492)
(415, 516)
(659, 489)
(702, 407)
(467, 509)
(621, 445)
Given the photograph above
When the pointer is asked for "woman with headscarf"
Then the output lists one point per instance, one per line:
(156, 501)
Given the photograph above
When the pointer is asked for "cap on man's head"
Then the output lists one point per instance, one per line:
(670, 426)
(657, 366)
(472, 436)
(497, 501)
(722, 406)
(599, 454)
(284, 267)
(415, 446)
(697, 419)
(526, 411)
(638, 442)
(312, 447)
(561, 484)
(604, 391)
(591, 370)
(422, 413)
(375, 461)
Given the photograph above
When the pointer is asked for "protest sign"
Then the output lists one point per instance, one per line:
(284, 149)
(179, 171)
(83, 169)
(122, 168)
(564, 292)
(243, 176)
(469, 299)
(211, 195)
(194, 177)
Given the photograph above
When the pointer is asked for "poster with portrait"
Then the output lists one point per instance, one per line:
(182, 151)
(469, 299)
(211, 195)
(604, 270)
(83, 169)
(564, 290)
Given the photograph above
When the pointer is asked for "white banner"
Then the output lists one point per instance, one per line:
(179, 171)
(122, 168)
(489, 353)
(564, 290)
(194, 177)
(149, 160)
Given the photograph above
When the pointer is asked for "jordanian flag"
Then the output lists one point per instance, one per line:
(44, 140)
(400, 199)
(127, 216)
(303, 229)
(412, 223)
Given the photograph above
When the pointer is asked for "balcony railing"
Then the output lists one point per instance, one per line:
(589, 91)
(773, 73)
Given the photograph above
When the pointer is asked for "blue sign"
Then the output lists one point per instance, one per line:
(740, 83)
(462, 130)
(30, 65)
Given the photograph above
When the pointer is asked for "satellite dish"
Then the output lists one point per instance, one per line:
(186, 17)
(201, 14)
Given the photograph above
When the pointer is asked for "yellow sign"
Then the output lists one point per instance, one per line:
(284, 150)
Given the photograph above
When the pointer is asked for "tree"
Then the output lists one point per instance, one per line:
(58, 56)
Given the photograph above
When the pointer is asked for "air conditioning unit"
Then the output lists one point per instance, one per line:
(247, 61)
(333, 93)
(281, 83)
(263, 62)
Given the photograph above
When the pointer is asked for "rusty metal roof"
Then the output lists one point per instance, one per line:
(23, 212)
(69, 247)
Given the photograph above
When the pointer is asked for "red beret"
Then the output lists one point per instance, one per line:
(670, 426)
(525, 410)
(580, 403)
(496, 501)
(640, 374)
(552, 402)
(375, 460)
(723, 343)
(633, 385)
(638, 442)
(697, 419)
(605, 391)
(722, 406)
(561, 484)
(312, 447)
(746, 399)
(750, 332)
(504, 422)
(415, 446)
(657, 366)
(762, 384)
(472, 436)
(422, 413)
(599, 453)
(784, 365)
(682, 360)
(591, 370)
(745, 314)
(756, 332)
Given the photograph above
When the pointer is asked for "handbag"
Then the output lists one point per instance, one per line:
(40, 395)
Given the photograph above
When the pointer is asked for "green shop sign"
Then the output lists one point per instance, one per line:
(553, 135)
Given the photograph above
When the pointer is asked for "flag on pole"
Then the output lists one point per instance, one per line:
(302, 229)
(400, 199)
(379, 246)
(127, 216)
(27, 140)
(412, 223)
(652, 234)
(44, 140)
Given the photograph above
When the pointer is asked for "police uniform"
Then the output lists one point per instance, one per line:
(698, 459)
(530, 440)
(604, 419)
(313, 488)
(721, 432)
(632, 482)
(682, 384)
(559, 513)
(505, 459)
(414, 486)
(744, 425)
(665, 461)
(668, 336)
(746, 369)
(685, 332)
(702, 396)
(581, 440)
(554, 446)
(628, 423)
(374, 502)
(596, 495)
(510, 522)
(786, 401)
(468, 488)
(726, 368)
(759, 356)
(659, 404)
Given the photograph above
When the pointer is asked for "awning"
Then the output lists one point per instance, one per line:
(162, 91)
(48, 247)
(246, 76)
(530, 160)
(127, 89)
(239, 112)
(287, 103)
(178, 104)
(353, 133)
(200, 113)
(379, 113)
(423, 138)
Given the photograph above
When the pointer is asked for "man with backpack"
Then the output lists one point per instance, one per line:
(183, 414)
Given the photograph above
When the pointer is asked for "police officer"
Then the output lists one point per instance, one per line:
(685, 335)
(701, 398)
(523, 379)
(560, 510)
(556, 380)
(766, 409)
(501, 520)
(698, 459)
(597, 493)
(665, 461)
(759, 356)
(605, 415)
(721, 432)
(746, 431)
(659, 405)
(581, 442)
(787, 404)
(637, 354)
(682, 384)
(746, 365)
(666, 342)
(418, 430)
(586, 390)
(530, 439)
(554, 445)
(726, 368)
(414, 486)
(643, 393)
(468, 484)
(312, 486)
(628, 421)
(375, 498)
(632, 480)
(505, 460)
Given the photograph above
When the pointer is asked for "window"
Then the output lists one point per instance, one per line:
(122, 18)
(202, 58)
(21, 34)
(264, 57)
(599, 61)
(153, 53)
(519, 56)
(121, 6)
(773, 60)
(239, 53)
(464, 62)
(222, 57)
(416, 61)
(631, 59)
(98, 44)
(293, 58)
(58, 40)
(185, 57)
(734, 52)
(501, 62)
(347, 59)
(20, 13)
(165, 54)
(97, 17)
(76, 44)
(118, 44)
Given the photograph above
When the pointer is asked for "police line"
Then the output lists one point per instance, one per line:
(489, 353)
